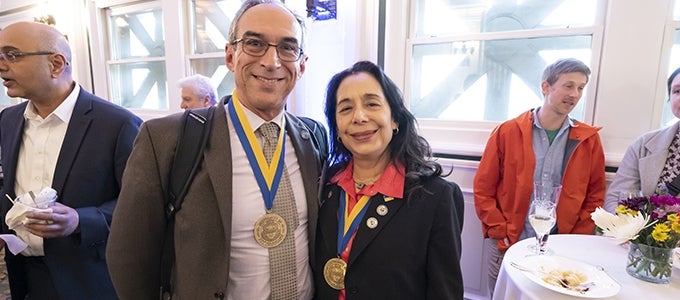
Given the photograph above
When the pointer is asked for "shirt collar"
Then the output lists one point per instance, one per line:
(256, 121)
(568, 122)
(64, 111)
(390, 184)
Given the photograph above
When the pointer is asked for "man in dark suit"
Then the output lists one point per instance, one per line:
(217, 251)
(72, 141)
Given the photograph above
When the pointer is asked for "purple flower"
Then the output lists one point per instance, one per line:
(635, 203)
(663, 200)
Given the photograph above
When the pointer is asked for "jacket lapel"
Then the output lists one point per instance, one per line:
(217, 161)
(16, 134)
(658, 153)
(365, 234)
(300, 137)
(329, 211)
(77, 127)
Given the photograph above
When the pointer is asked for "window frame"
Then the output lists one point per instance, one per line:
(469, 137)
(174, 48)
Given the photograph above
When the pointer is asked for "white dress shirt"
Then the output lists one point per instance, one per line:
(40, 147)
(249, 262)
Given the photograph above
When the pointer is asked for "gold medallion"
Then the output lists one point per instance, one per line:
(270, 230)
(334, 273)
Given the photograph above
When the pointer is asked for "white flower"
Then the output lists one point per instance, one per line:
(622, 228)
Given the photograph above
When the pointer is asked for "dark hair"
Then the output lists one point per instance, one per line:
(248, 4)
(670, 80)
(563, 66)
(406, 148)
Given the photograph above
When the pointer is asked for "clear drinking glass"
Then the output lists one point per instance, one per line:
(547, 191)
(629, 194)
(542, 217)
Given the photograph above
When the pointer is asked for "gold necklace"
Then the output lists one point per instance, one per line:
(361, 183)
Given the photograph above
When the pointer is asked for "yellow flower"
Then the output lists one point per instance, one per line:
(676, 226)
(673, 218)
(622, 209)
(660, 233)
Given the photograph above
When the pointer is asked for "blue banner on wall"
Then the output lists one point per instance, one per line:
(320, 10)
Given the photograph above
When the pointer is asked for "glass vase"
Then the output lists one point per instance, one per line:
(651, 264)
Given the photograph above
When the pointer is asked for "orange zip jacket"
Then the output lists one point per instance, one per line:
(504, 181)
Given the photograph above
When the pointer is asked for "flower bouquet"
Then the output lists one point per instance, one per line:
(652, 225)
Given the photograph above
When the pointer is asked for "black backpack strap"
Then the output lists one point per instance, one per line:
(188, 154)
(191, 142)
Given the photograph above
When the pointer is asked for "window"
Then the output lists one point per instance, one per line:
(478, 60)
(210, 23)
(136, 67)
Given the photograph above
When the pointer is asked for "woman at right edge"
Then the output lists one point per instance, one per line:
(400, 221)
(652, 161)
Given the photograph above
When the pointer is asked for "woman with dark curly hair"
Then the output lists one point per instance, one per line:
(389, 224)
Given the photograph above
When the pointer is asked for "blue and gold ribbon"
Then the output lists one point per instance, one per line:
(348, 221)
(268, 176)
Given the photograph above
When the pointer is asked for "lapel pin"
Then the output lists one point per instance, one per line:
(372, 222)
(382, 210)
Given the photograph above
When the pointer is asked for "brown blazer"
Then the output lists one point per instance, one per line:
(202, 226)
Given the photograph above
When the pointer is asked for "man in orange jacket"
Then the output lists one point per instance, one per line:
(538, 145)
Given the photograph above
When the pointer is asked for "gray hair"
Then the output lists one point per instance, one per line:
(200, 85)
(563, 66)
(248, 4)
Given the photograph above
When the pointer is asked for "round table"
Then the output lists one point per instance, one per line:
(591, 249)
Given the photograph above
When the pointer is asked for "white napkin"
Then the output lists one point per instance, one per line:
(27, 243)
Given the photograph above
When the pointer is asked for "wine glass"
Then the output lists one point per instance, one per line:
(542, 218)
(547, 191)
(629, 194)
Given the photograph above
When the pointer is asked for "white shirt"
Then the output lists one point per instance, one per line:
(41, 144)
(39, 151)
(248, 261)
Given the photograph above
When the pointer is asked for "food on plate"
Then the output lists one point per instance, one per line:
(565, 278)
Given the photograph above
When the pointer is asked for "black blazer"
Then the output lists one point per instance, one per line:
(87, 177)
(413, 253)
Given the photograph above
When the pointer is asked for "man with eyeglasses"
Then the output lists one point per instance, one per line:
(246, 227)
(71, 141)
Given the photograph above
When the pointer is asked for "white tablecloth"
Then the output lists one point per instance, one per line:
(595, 250)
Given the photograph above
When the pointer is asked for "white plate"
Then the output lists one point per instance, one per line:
(676, 258)
(605, 286)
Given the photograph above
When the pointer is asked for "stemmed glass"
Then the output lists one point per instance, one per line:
(629, 194)
(542, 217)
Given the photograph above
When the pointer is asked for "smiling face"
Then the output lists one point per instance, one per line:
(562, 96)
(364, 118)
(263, 83)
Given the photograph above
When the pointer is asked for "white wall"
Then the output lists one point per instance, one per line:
(633, 71)
(333, 45)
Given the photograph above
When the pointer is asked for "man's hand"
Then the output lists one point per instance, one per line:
(62, 221)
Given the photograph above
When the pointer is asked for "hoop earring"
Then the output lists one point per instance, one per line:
(339, 140)
(395, 131)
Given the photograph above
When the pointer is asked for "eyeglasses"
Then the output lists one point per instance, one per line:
(13, 55)
(287, 51)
